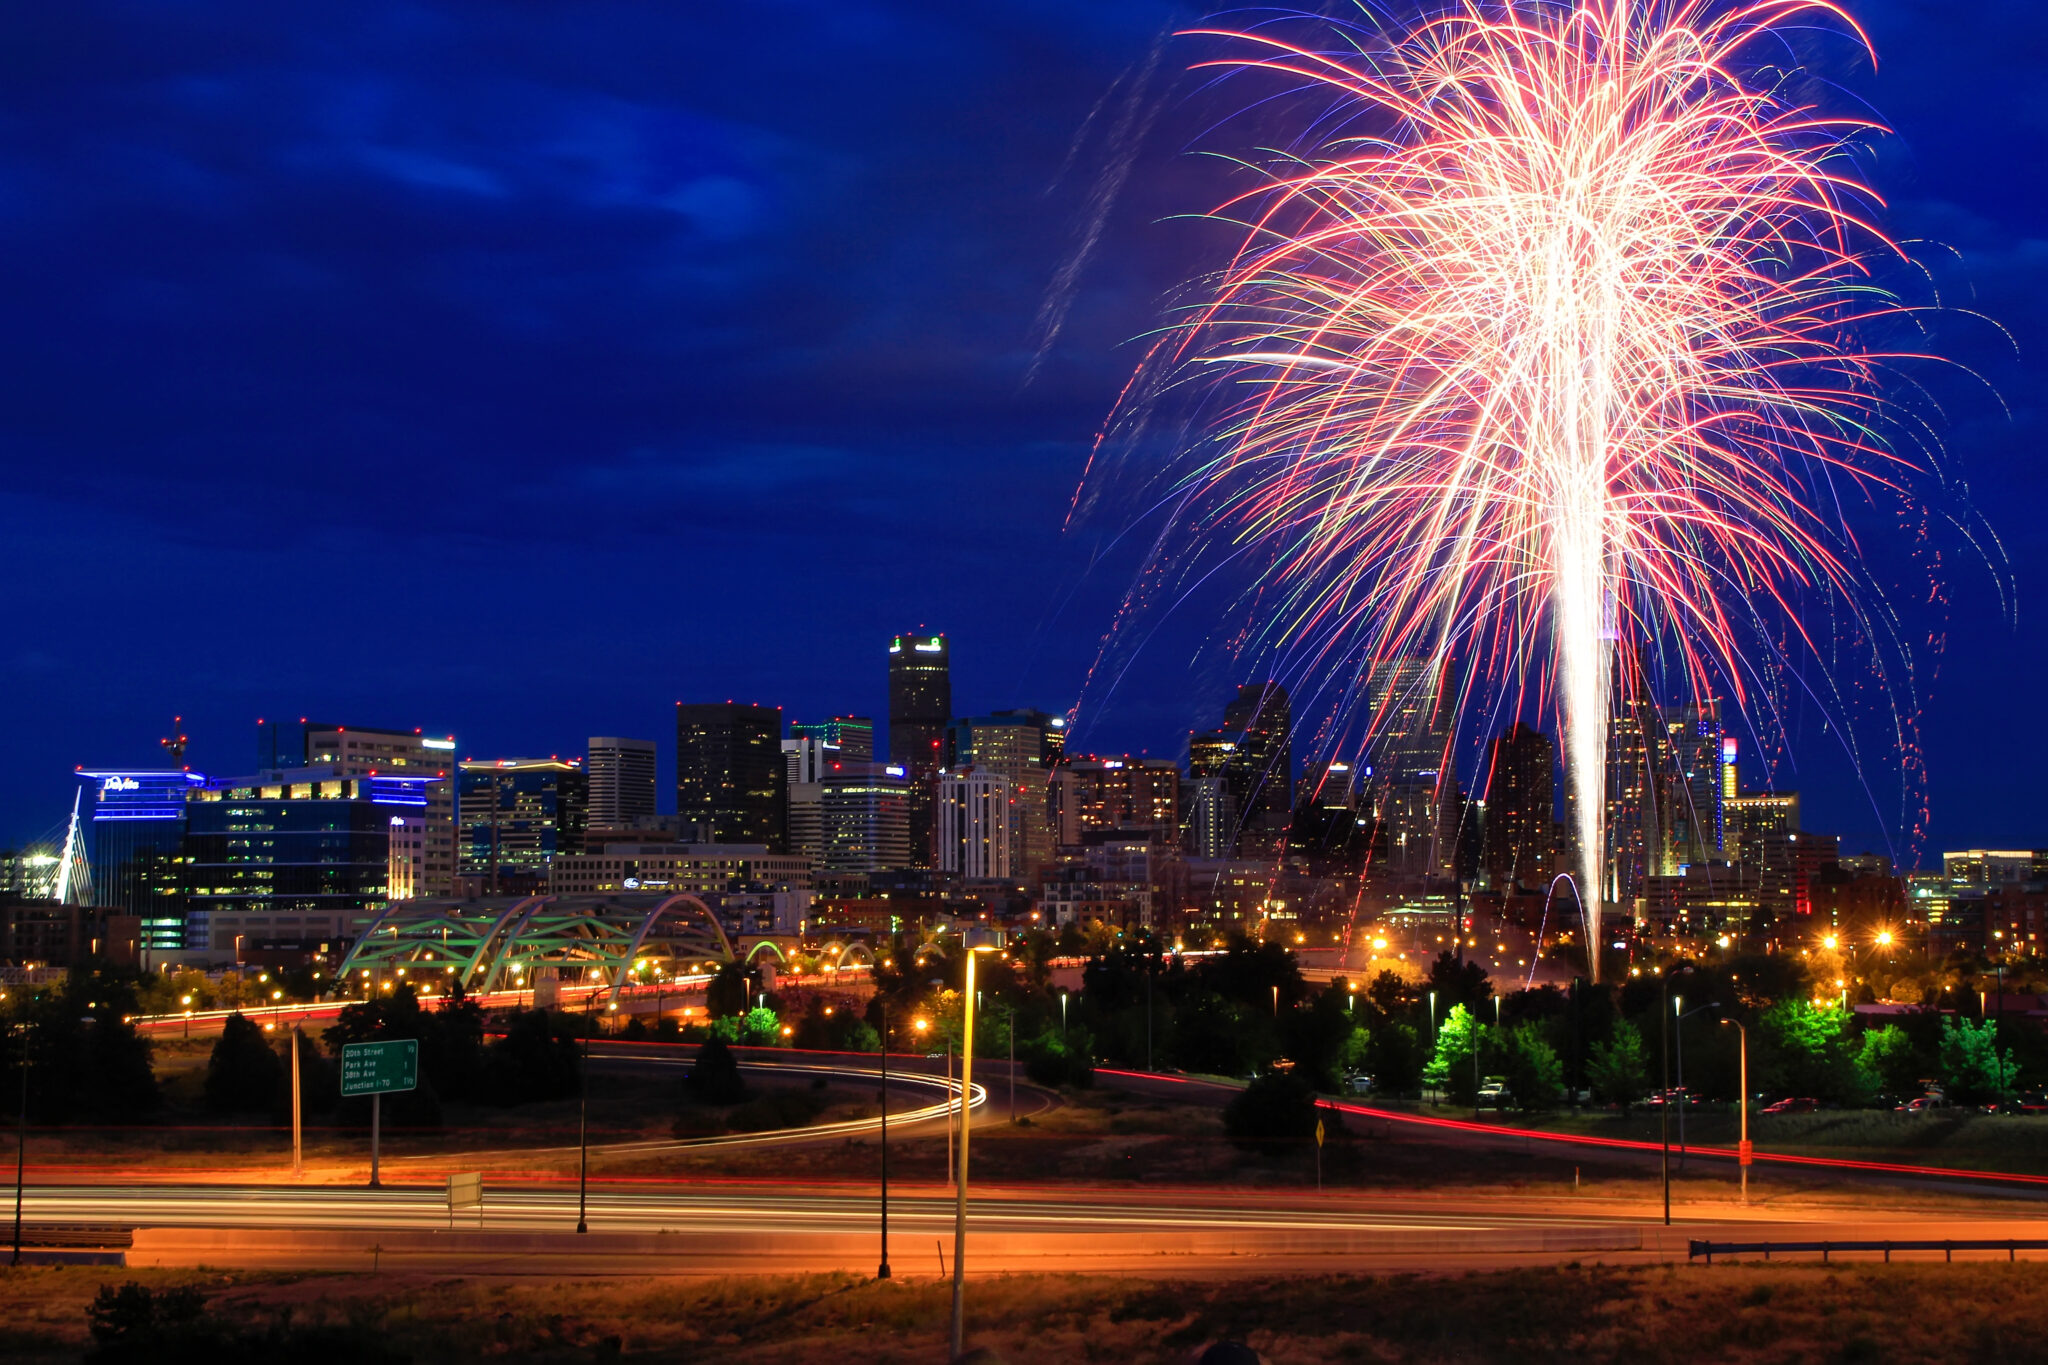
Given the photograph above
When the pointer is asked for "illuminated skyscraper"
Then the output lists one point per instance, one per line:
(516, 815)
(1693, 737)
(920, 705)
(1414, 776)
(1260, 769)
(1025, 747)
(1520, 808)
(852, 736)
(622, 780)
(975, 823)
(730, 775)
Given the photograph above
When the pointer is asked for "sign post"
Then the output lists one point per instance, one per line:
(378, 1069)
(466, 1191)
(1319, 1155)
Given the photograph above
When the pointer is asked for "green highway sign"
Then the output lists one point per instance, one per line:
(380, 1068)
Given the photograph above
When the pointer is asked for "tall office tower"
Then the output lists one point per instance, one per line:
(1107, 797)
(806, 757)
(852, 736)
(1638, 787)
(806, 822)
(1756, 817)
(138, 847)
(1413, 769)
(1730, 787)
(1024, 746)
(865, 810)
(1211, 818)
(516, 815)
(1693, 737)
(1257, 720)
(976, 823)
(1519, 808)
(731, 778)
(920, 699)
(360, 751)
(406, 864)
(622, 781)
(920, 705)
(1328, 829)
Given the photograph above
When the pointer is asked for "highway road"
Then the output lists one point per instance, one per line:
(714, 1231)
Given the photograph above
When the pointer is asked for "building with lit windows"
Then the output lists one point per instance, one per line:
(622, 780)
(851, 737)
(699, 869)
(731, 780)
(364, 751)
(290, 859)
(1026, 747)
(1097, 798)
(138, 841)
(920, 705)
(864, 812)
(517, 815)
(976, 821)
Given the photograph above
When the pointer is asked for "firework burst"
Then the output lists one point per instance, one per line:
(1543, 341)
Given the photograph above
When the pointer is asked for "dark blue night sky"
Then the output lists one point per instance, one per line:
(519, 369)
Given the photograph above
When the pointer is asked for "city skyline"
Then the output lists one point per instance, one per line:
(948, 435)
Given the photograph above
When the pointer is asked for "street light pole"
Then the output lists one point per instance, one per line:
(1664, 1072)
(20, 1140)
(883, 1273)
(960, 1182)
(1742, 1108)
(583, 1134)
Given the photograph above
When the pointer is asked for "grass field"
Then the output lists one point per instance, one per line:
(1985, 1313)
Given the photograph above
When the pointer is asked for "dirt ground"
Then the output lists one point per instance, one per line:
(1982, 1312)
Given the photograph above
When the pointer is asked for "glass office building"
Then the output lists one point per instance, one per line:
(138, 834)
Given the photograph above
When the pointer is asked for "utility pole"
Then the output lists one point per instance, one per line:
(583, 1133)
(298, 1151)
(1664, 1071)
(20, 1139)
(883, 1273)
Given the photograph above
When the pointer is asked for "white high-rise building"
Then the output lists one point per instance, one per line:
(622, 781)
(975, 824)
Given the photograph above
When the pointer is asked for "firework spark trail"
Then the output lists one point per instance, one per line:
(1544, 344)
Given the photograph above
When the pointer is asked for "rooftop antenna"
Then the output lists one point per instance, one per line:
(174, 744)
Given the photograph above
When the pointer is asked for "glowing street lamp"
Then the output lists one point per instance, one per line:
(1742, 1108)
(976, 942)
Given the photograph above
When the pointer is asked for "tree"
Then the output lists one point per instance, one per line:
(86, 1061)
(1459, 983)
(1534, 1075)
(1394, 1056)
(1809, 1051)
(729, 993)
(715, 1076)
(1318, 1038)
(1888, 1057)
(538, 1057)
(1275, 1111)
(244, 1074)
(1451, 1066)
(1616, 1068)
(1054, 1058)
(1972, 1068)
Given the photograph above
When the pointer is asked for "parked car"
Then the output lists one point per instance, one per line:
(1358, 1084)
(1678, 1097)
(1793, 1105)
(1925, 1104)
(1494, 1093)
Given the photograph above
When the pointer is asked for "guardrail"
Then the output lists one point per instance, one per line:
(2011, 1246)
